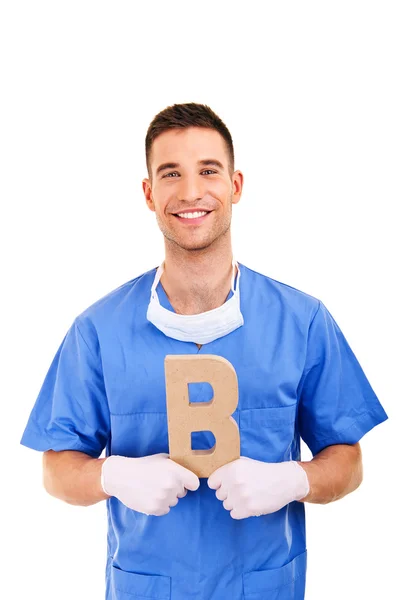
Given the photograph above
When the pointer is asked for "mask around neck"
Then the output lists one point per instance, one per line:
(202, 328)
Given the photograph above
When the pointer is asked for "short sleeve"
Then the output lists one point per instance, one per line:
(71, 411)
(337, 404)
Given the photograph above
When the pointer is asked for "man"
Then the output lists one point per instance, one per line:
(241, 532)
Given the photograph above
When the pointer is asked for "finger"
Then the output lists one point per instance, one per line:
(221, 493)
(152, 457)
(161, 512)
(237, 514)
(181, 491)
(228, 504)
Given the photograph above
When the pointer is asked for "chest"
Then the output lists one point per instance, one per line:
(268, 361)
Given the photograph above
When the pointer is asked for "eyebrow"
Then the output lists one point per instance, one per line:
(205, 162)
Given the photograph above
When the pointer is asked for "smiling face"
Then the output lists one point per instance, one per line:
(190, 174)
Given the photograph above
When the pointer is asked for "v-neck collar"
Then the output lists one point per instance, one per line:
(164, 301)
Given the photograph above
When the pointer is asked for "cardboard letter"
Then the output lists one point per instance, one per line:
(185, 417)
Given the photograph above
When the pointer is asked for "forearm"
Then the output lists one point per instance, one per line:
(73, 477)
(333, 473)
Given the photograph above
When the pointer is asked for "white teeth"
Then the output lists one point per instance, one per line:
(193, 215)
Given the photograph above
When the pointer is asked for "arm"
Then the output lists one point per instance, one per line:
(250, 487)
(333, 473)
(73, 477)
(149, 484)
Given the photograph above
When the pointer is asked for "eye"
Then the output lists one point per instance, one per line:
(175, 172)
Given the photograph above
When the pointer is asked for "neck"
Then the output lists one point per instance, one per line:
(197, 281)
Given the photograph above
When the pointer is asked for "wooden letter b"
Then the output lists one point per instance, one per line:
(184, 416)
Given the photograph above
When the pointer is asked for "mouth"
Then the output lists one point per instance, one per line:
(192, 218)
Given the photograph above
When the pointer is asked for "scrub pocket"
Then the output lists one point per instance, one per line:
(126, 586)
(285, 583)
(268, 434)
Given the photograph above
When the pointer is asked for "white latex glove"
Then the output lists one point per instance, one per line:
(252, 488)
(151, 484)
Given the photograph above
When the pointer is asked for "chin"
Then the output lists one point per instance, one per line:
(195, 247)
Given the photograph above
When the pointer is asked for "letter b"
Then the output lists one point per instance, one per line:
(215, 416)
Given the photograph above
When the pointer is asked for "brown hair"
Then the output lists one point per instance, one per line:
(180, 116)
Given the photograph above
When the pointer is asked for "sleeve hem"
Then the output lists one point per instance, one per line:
(42, 444)
(352, 434)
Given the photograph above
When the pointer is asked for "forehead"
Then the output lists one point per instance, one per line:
(191, 143)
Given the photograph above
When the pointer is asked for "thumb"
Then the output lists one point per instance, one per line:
(188, 478)
(215, 480)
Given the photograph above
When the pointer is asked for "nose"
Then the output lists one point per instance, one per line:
(191, 189)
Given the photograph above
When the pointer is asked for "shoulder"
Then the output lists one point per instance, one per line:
(121, 300)
(290, 299)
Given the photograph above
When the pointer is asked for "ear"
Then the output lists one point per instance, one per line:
(238, 182)
(148, 194)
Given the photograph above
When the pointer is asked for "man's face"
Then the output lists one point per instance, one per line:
(189, 185)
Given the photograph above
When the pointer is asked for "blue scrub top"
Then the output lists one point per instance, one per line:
(297, 378)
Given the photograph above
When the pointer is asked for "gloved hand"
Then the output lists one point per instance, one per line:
(251, 487)
(151, 484)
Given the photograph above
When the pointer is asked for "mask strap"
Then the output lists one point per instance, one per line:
(233, 276)
(156, 281)
(161, 268)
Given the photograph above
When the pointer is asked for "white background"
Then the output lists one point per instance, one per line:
(309, 91)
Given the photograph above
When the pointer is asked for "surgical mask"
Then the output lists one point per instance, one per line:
(202, 328)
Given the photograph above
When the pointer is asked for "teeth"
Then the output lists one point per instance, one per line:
(193, 215)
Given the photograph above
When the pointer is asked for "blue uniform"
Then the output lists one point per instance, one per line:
(297, 378)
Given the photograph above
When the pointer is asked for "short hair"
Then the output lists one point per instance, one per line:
(181, 116)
